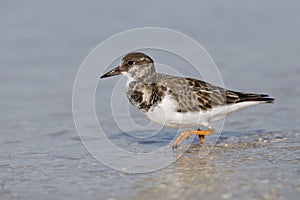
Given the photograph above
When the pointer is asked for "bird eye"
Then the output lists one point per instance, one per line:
(130, 62)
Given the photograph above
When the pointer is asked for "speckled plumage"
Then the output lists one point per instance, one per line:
(178, 101)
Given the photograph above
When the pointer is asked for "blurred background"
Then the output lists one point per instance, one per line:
(254, 43)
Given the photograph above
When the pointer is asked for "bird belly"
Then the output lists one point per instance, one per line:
(165, 114)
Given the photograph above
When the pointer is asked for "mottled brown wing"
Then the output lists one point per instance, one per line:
(195, 95)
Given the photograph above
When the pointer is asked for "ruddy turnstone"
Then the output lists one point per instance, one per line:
(179, 101)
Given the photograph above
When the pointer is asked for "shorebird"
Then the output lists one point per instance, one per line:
(179, 102)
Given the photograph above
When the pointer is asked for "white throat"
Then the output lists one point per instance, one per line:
(129, 78)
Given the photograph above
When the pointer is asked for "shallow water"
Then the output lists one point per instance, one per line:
(255, 46)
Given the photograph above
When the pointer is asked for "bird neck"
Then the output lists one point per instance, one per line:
(148, 78)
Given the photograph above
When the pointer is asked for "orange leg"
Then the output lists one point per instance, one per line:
(201, 138)
(186, 134)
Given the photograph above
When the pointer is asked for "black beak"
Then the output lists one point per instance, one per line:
(113, 72)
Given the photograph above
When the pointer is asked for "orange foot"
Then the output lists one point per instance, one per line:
(186, 134)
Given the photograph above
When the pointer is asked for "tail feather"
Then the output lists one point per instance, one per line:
(255, 97)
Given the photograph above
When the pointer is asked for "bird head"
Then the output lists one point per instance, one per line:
(136, 65)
